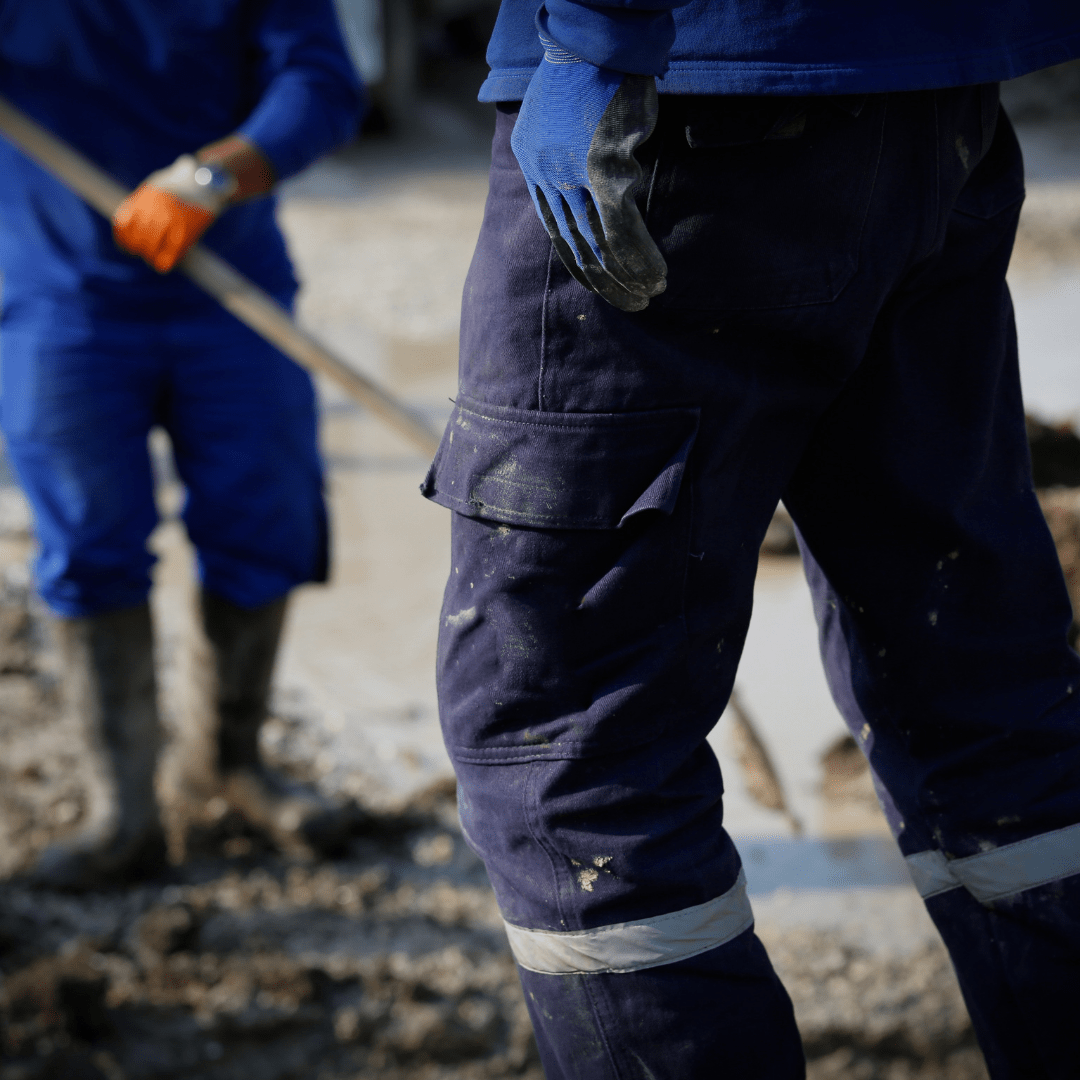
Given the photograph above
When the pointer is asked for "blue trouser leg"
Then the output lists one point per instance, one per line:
(671, 1014)
(836, 331)
(78, 401)
(943, 621)
(81, 391)
(946, 651)
(243, 423)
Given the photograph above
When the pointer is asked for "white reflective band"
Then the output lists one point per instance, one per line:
(931, 874)
(633, 946)
(1003, 871)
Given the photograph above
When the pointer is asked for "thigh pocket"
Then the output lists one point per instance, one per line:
(761, 202)
(562, 625)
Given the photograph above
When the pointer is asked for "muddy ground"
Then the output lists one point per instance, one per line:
(387, 961)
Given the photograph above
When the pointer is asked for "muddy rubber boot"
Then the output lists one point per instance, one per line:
(244, 646)
(109, 690)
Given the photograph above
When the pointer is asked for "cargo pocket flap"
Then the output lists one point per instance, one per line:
(560, 470)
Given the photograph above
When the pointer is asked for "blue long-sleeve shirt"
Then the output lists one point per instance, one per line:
(789, 46)
(135, 83)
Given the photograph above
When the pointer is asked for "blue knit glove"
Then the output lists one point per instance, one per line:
(574, 140)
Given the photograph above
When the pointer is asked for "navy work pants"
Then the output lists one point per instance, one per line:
(81, 389)
(836, 332)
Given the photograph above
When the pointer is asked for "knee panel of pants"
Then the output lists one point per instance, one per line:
(580, 843)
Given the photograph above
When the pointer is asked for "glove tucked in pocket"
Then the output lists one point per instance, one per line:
(574, 139)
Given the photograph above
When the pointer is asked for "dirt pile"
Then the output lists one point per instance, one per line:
(388, 963)
(866, 1017)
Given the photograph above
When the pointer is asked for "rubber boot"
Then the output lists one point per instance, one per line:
(244, 645)
(109, 689)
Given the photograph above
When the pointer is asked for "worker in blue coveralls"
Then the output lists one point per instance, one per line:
(203, 105)
(736, 252)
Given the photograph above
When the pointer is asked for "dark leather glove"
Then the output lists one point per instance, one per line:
(574, 139)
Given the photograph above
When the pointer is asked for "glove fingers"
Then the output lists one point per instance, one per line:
(583, 224)
(596, 275)
(562, 248)
(602, 273)
(613, 171)
(627, 250)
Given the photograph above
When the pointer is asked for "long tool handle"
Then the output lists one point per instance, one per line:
(229, 287)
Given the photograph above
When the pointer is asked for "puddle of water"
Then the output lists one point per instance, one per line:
(810, 863)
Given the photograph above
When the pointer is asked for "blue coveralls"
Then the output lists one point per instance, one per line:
(97, 348)
(836, 331)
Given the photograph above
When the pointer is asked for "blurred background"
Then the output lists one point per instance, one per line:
(390, 960)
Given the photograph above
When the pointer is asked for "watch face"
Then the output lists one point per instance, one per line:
(217, 183)
(209, 177)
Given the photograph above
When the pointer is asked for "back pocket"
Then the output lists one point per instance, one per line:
(760, 202)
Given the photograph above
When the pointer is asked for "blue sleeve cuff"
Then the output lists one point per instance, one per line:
(634, 36)
(311, 99)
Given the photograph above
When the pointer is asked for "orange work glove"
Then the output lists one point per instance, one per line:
(170, 210)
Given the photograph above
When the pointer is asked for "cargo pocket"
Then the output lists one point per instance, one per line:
(563, 618)
(560, 470)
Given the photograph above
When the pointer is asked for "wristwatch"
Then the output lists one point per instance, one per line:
(215, 181)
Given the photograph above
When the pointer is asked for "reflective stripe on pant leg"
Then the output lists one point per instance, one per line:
(931, 873)
(1000, 872)
(634, 946)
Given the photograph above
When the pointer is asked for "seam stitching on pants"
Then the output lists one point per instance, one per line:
(935, 223)
(543, 329)
(528, 802)
(873, 188)
(589, 985)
